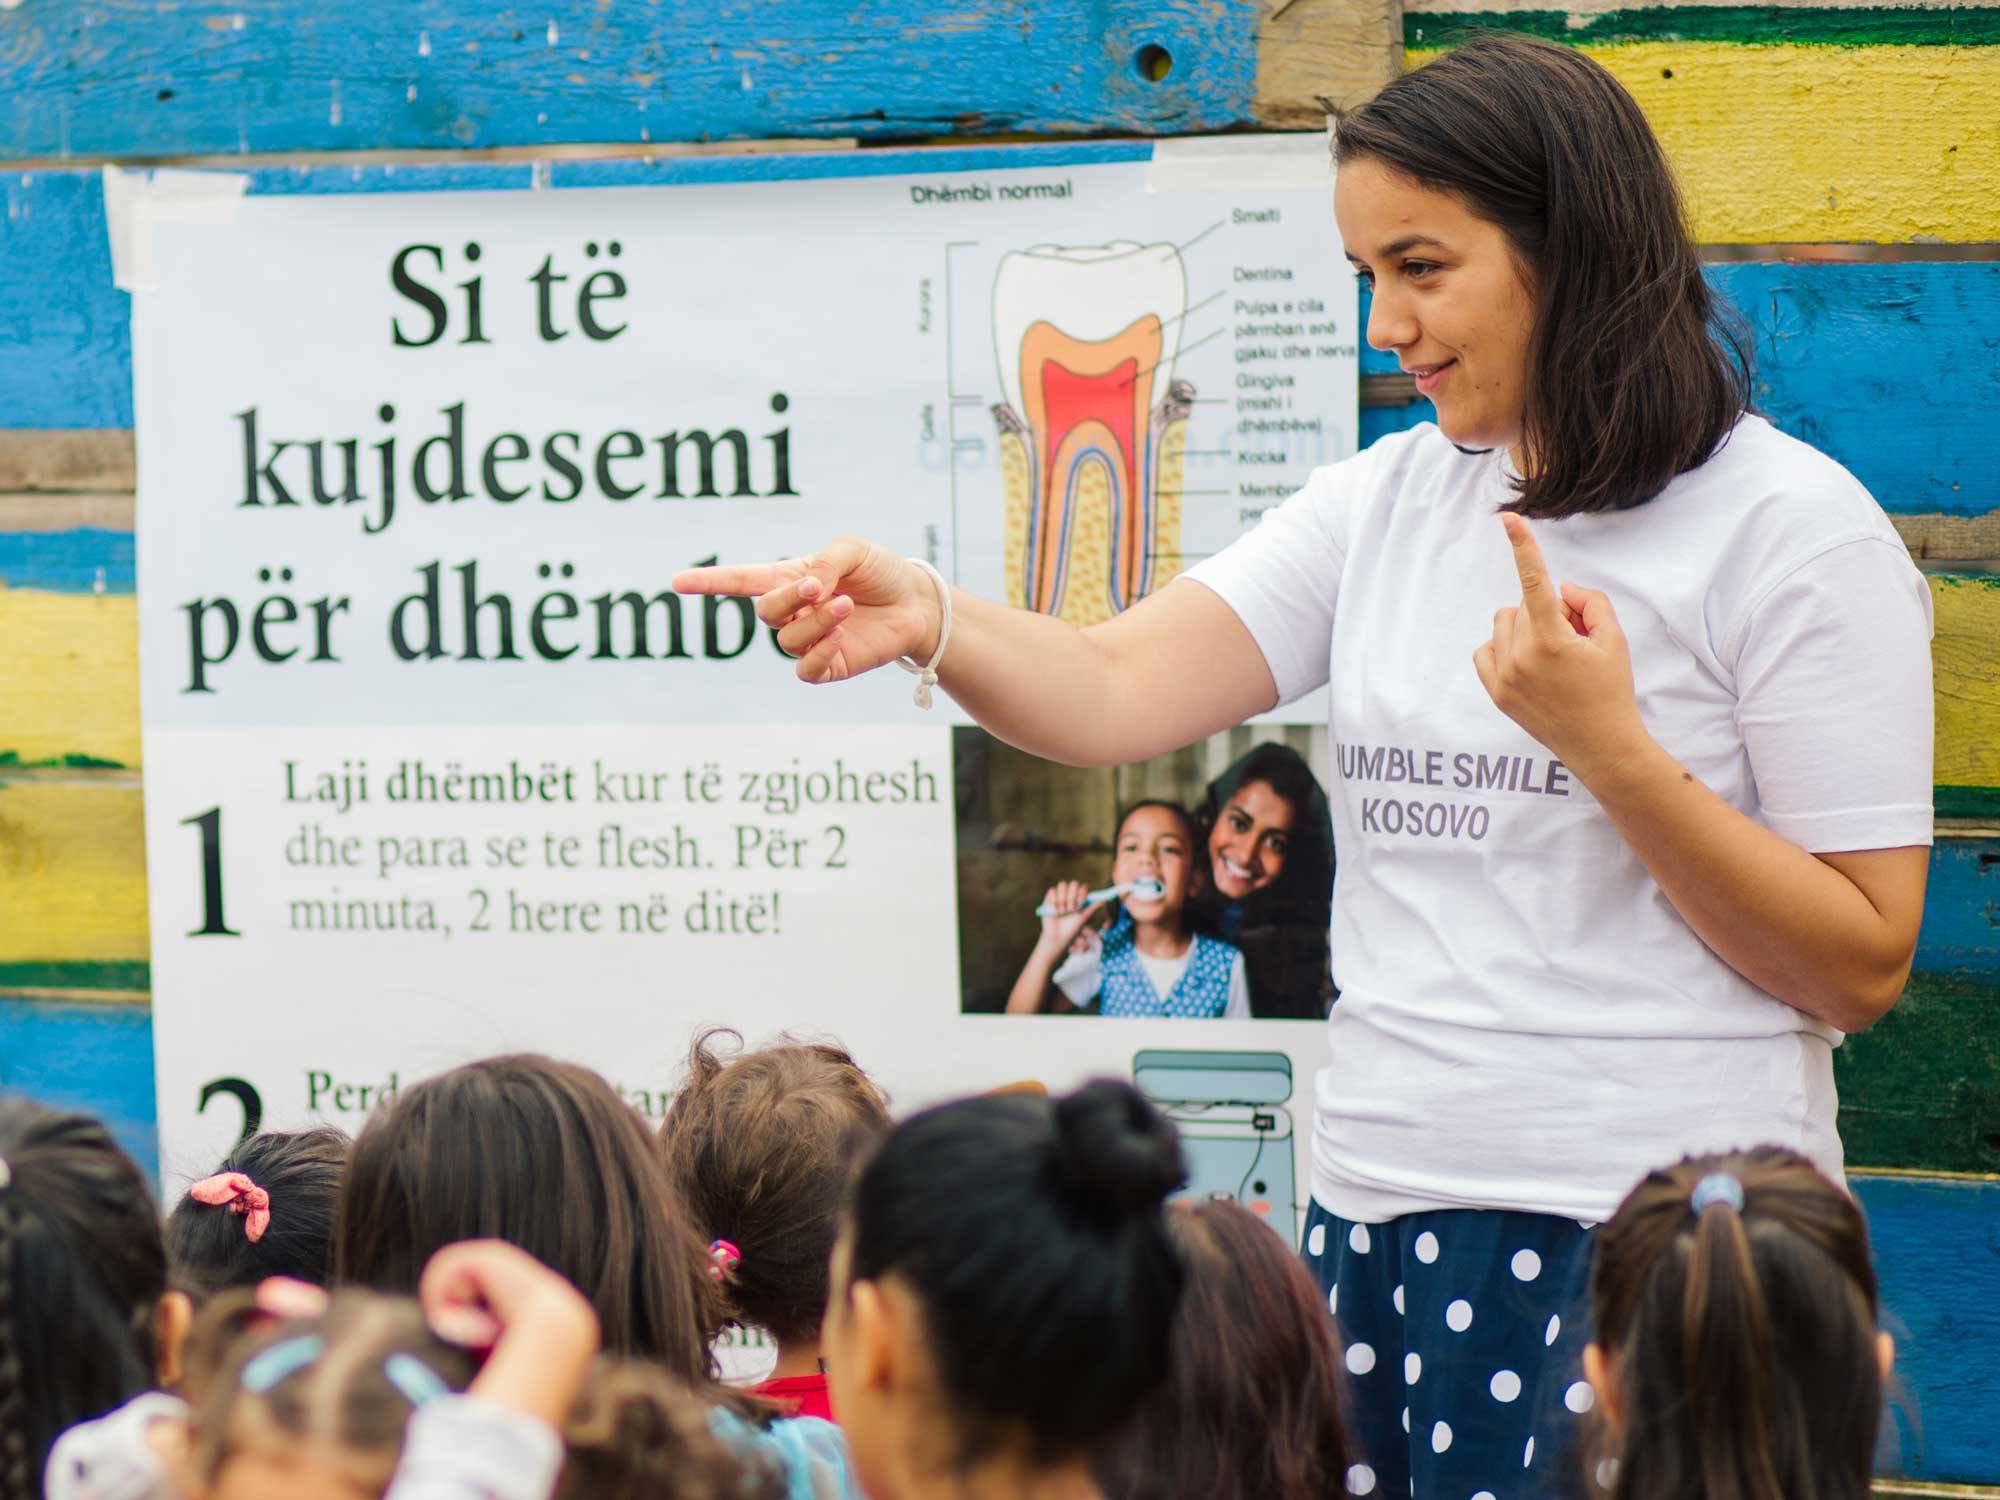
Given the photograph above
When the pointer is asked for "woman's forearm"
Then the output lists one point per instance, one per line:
(1788, 921)
(1178, 666)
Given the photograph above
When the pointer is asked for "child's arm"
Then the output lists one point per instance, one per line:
(1059, 930)
(502, 1439)
(542, 1332)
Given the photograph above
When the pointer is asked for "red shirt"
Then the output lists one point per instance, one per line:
(805, 1395)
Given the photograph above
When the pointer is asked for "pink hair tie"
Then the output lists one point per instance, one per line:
(242, 1196)
(724, 1258)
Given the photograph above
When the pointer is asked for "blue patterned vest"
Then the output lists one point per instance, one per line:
(1124, 989)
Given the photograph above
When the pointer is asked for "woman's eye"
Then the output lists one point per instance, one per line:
(1418, 269)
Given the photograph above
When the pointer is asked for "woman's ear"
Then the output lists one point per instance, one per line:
(1597, 1370)
(1885, 1354)
(171, 1321)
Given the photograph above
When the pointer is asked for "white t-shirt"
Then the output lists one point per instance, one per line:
(1079, 976)
(1524, 1021)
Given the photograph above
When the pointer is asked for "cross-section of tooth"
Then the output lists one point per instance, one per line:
(1093, 425)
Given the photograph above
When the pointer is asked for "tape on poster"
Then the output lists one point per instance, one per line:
(136, 200)
(1298, 163)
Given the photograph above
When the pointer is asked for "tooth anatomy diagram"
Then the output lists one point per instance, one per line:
(1093, 426)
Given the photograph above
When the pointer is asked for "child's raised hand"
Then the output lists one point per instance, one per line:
(543, 1334)
(844, 610)
(1068, 916)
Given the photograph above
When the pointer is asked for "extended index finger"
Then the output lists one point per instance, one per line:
(1538, 595)
(735, 578)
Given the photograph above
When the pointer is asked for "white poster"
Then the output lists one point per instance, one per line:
(438, 766)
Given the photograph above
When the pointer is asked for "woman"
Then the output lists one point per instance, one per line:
(1612, 888)
(1270, 849)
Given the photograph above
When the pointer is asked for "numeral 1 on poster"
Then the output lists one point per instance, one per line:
(213, 924)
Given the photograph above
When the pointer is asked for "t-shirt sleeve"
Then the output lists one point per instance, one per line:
(1833, 683)
(1077, 976)
(1283, 576)
(463, 1448)
(1238, 1008)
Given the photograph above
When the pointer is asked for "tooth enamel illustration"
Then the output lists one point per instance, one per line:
(1093, 425)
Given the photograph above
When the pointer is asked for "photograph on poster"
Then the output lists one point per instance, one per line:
(1196, 885)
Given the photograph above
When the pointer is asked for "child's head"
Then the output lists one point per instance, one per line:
(1156, 841)
(267, 1210)
(1736, 1352)
(639, 1434)
(1251, 1409)
(758, 1145)
(82, 1273)
(1004, 1286)
(542, 1154)
(311, 1408)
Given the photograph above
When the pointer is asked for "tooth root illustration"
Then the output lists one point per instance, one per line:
(1093, 425)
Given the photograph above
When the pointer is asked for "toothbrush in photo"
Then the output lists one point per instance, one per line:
(1145, 890)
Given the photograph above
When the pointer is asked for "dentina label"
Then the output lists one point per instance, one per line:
(1093, 425)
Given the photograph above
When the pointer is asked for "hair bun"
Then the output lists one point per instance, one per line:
(1114, 1151)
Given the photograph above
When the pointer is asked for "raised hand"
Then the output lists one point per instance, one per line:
(847, 609)
(543, 1334)
(1065, 923)
(1558, 665)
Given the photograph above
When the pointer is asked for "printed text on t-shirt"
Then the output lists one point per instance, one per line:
(1464, 770)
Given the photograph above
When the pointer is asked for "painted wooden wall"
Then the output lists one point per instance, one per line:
(1799, 131)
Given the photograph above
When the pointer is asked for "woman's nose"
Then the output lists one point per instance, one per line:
(1389, 324)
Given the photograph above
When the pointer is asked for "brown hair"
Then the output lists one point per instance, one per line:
(1741, 1342)
(1636, 370)
(208, 1250)
(341, 1401)
(639, 1434)
(1252, 1405)
(759, 1145)
(542, 1154)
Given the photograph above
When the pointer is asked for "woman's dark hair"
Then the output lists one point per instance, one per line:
(1282, 929)
(759, 1146)
(542, 1154)
(1741, 1342)
(208, 1247)
(1251, 1409)
(1031, 1232)
(82, 1271)
(1636, 371)
(344, 1399)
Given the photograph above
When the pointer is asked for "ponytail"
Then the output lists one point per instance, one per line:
(1736, 1303)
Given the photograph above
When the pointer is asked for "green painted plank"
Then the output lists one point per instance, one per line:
(1921, 1088)
(132, 977)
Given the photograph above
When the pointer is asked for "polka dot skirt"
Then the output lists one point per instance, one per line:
(1464, 1333)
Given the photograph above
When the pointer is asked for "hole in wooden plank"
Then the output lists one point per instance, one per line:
(1154, 63)
(1666, 72)
(164, 95)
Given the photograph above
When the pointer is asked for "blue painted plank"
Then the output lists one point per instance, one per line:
(96, 1057)
(1937, 1254)
(132, 79)
(1961, 928)
(86, 561)
(65, 330)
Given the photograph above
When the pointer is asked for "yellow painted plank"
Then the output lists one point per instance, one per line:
(72, 871)
(69, 675)
(1785, 143)
(1966, 663)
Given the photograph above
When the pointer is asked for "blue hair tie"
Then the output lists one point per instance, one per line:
(280, 1362)
(417, 1381)
(1717, 1187)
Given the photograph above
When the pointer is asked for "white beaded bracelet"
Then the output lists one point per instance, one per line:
(927, 674)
